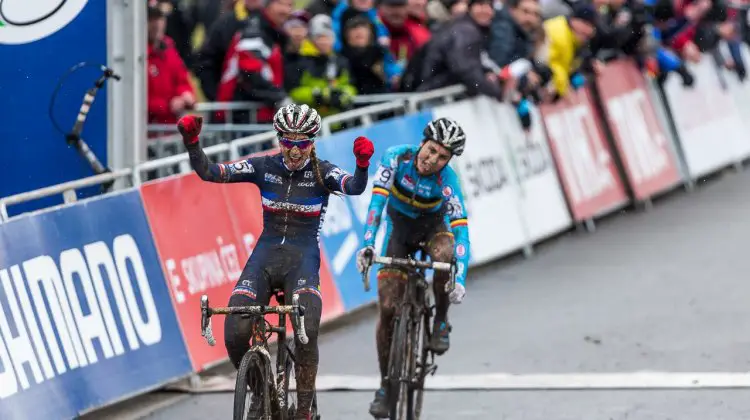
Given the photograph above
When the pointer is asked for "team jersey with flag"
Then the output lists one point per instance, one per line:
(294, 202)
(398, 185)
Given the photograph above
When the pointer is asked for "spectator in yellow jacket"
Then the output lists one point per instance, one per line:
(321, 79)
(566, 36)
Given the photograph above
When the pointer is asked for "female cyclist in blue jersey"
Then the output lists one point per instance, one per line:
(424, 203)
(294, 187)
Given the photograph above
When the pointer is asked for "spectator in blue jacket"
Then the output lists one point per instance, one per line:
(344, 11)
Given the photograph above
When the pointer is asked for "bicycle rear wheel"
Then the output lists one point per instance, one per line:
(252, 375)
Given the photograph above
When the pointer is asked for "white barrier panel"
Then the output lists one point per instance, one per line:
(708, 124)
(543, 204)
(490, 187)
(740, 94)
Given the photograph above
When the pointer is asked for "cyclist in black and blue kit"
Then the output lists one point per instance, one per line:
(423, 202)
(294, 187)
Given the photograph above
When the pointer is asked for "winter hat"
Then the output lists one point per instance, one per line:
(298, 18)
(586, 12)
(321, 25)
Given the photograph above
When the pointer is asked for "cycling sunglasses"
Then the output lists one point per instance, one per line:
(290, 143)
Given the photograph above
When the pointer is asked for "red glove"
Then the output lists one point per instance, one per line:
(190, 127)
(363, 150)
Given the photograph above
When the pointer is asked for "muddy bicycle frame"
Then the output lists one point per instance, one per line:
(259, 339)
(414, 309)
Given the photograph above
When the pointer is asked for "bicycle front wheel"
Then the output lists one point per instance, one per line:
(398, 370)
(252, 376)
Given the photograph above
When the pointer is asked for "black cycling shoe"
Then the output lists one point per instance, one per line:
(440, 342)
(380, 406)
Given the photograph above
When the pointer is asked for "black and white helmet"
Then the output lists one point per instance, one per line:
(448, 133)
(297, 119)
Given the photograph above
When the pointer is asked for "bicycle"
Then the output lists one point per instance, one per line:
(271, 395)
(408, 364)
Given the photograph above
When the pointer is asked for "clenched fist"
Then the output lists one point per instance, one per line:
(189, 127)
(363, 150)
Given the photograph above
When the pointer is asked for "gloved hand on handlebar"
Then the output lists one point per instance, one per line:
(458, 293)
(362, 259)
(189, 127)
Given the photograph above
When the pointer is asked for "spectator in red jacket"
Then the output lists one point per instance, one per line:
(407, 36)
(169, 89)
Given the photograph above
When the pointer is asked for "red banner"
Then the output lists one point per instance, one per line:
(587, 170)
(642, 142)
(204, 233)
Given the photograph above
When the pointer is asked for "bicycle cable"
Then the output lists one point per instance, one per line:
(60, 83)
(33, 21)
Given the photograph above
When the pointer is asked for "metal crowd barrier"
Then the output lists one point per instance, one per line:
(67, 189)
(178, 162)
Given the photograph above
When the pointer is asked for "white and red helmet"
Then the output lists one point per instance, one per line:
(297, 119)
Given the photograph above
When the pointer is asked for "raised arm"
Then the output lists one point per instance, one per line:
(338, 180)
(242, 171)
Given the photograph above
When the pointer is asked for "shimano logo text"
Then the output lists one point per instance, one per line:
(64, 312)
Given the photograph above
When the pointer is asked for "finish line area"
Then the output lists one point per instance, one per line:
(512, 382)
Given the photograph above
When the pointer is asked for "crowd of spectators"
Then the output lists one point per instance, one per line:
(326, 52)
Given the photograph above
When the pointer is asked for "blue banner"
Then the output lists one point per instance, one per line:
(38, 46)
(85, 313)
(343, 230)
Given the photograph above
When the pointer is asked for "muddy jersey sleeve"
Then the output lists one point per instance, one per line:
(247, 170)
(457, 218)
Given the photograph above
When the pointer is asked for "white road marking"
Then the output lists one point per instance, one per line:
(516, 382)
(562, 381)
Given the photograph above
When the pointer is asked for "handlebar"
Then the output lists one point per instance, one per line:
(295, 309)
(409, 263)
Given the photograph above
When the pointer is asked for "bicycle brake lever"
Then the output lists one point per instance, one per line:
(366, 278)
(301, 334)
(368, 254)
(451, 284)
(206, 330)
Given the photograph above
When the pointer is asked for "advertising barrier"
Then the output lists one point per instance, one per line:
(709, 127)
(740, 94)
(85, 314)
(43, 43)
(589, 175)
(205, 233)
(542, 202)
(489, 183)
(644, 144)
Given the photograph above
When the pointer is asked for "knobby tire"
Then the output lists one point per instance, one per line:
(253, 370)
(398, 388)
(424, 340)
